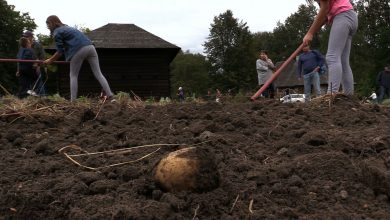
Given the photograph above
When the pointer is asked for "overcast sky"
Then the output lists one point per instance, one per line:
(185, 23)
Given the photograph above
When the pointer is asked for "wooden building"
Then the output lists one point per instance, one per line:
(131, 59)
(288, 79)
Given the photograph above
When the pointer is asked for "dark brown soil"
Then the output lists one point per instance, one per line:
(276, 161)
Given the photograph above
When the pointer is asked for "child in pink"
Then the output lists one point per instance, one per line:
(344, 22)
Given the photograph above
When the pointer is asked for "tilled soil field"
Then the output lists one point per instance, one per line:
(274, 160)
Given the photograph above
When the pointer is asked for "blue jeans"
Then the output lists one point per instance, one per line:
(311, 78)
(383, 91)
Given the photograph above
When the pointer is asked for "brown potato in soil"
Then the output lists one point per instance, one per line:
(187, 169)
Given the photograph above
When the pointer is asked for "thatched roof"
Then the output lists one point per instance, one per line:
(126, 36)
(288, 77)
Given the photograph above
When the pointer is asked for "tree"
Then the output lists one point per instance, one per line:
(229, 49)
(371, 46)
(190, 71)
(261, 41)
(45, 40)
(12, 25)
(287, 36)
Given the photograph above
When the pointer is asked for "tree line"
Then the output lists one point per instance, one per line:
(231, 50)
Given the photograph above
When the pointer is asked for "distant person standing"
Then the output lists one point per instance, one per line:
(344, 22)
(208, 96)
(383, 80)
(39, 53)
(218, 95)
(309, 65)
(180, 94)
(287, 91)
(26, 71)
(76, 47)
(265, 67)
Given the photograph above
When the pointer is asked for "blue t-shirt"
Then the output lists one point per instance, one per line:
(69, 40)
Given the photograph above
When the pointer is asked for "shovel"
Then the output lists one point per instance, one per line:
(31, 91)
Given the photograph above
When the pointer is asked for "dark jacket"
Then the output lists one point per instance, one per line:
(308, 61)
(383, 79)
(25, 54)
(69, 40)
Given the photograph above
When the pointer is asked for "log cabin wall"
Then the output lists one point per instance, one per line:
(145, 72)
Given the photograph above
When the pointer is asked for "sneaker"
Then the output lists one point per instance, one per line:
(32, 93)
(112, 99)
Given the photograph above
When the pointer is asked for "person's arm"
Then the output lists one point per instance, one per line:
(260, 66)
(318, 61)
(270, 64)
(18, 56)
(299, 68)
(60, 45)
(378, 78)
(53, 58)
(32, 56)
(319, 21)
(17, 74)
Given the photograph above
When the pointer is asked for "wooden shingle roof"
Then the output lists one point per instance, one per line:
(114, 35)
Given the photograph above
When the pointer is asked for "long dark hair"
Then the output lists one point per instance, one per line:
(23, 41)
(54, 21)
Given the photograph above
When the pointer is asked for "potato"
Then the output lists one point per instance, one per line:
(187, 169)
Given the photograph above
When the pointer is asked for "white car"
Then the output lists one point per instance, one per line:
(293, 98)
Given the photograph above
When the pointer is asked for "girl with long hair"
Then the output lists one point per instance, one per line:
(76, 47)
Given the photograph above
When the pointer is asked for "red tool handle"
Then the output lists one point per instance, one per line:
(277, 72)
(30, 61)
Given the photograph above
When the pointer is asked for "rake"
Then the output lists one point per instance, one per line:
(278, 71)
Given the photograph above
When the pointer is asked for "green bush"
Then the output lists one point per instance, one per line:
(386, 102)
(123, 96)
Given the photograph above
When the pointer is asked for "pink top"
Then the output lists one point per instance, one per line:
(338, 6)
